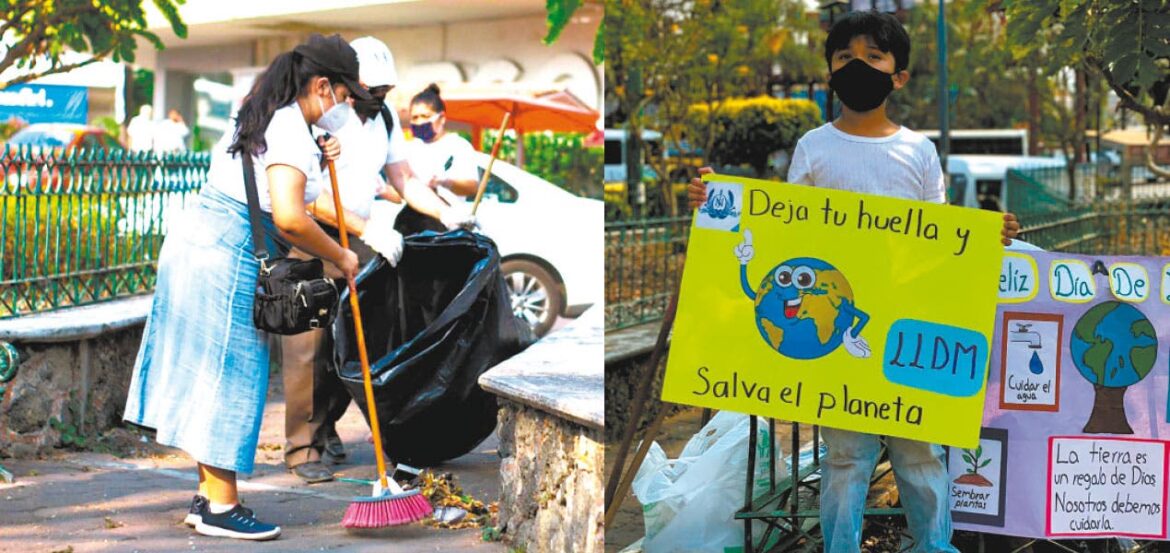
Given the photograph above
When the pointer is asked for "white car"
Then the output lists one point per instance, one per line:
(551, 242)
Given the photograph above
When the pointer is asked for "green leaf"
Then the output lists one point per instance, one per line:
(979, 451)
(599, 44)
(1125, 67)
(968, 458)
(560, 12)
(170, 10)
(1147, 72)
(985, 463)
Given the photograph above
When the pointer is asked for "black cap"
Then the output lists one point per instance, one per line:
(335, 54)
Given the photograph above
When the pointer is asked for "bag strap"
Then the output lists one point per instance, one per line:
(387, 120)
(258, 248)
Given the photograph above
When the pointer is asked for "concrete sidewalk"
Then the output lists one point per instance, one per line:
(82, 502)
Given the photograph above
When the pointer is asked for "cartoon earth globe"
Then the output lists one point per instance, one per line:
(803, 307)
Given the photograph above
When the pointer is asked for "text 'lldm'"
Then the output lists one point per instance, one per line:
(934, 357)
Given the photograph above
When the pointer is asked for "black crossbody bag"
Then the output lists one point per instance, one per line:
(292, 295)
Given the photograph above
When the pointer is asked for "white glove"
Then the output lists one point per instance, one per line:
(454, 217)
(856, 346)
(381, 237)
(744, 252)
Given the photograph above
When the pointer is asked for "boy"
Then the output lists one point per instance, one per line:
(863, 151)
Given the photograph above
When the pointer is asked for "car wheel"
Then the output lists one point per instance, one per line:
(536, 295)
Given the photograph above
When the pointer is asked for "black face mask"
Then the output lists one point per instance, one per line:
(368, 109)
(860, 86)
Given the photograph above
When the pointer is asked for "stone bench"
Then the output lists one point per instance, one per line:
(75, 368)
(552, 416)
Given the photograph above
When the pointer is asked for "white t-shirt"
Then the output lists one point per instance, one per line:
(365, 150)
(169, 136)
(430, 160)
(289, 143)
(902, 165)
(141, 131)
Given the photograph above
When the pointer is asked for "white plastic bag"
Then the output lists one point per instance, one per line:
(689, 503)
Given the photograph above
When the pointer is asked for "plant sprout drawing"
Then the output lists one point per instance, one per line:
(975, 460)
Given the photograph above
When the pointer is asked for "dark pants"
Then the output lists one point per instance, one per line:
(314, 397)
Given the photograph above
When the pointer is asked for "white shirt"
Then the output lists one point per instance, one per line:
(430, 160)
(365, 150)
(169, 135)
(902, 165)
(141, 131)
(289, 143)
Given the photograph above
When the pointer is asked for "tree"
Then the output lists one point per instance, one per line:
(1125, 44)
(989, 88)
(33, 31)
(560, 12)
(663, 56)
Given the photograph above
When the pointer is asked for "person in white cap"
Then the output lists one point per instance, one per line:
(372, 146)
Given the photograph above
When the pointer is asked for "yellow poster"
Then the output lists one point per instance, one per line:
(835, 308)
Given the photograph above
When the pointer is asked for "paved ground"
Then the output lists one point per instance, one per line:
(83, 502)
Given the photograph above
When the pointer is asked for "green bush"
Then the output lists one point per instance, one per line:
(748, 130)
(110, 125)
(61, 249)
(560, 158)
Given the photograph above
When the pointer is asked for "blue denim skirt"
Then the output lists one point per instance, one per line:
(201, 375)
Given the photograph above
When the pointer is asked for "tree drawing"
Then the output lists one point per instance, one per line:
(1114, 346)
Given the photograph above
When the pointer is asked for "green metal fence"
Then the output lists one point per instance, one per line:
(643, 263)
(85, 226)
(1122, 227)
(1034, 189)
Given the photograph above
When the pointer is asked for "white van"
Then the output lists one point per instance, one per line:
(981, 180)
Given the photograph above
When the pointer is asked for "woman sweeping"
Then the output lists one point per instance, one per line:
(201, 374)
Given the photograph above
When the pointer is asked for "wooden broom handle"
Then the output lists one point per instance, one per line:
(361, 335)
(487, 174)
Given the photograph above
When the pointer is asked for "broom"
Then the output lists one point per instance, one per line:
(389, 505)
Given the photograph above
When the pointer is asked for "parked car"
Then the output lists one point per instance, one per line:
(52, 140)
(551, 243)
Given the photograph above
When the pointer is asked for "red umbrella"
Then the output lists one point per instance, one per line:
(556, 112)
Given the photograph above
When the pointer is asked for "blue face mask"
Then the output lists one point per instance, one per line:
(424, 132)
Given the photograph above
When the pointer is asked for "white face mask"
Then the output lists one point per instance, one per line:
(335, 118)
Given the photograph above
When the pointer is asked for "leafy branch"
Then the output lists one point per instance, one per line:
(34, 33)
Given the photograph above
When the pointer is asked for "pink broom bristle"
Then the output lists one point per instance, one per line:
(389, 511)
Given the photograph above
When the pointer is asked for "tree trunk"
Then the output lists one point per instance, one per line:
(1108, 415)
(1080, 104)
(1033, 113)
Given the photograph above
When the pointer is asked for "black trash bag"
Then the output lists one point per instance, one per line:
(432, 327)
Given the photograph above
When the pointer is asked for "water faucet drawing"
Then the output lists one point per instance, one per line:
(1024, 333)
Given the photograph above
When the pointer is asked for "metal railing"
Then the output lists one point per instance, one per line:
(643, 264)
(1032, 189)
(1124, 227)
(85, 226)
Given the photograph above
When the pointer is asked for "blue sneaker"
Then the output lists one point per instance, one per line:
(195, 514)
(237, 523)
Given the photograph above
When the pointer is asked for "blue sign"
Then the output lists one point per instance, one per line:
(45, 103)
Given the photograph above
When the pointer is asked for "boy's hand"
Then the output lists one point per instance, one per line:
(1011, 228)
(697, 190)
